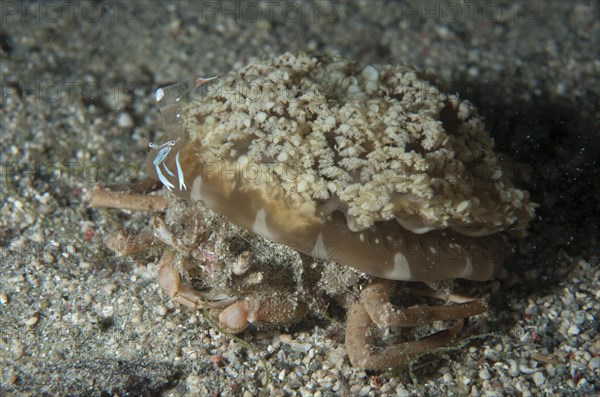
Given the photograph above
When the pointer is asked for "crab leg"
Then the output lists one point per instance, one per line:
(170, 282)
(376, 298)
(359, 340)
(144, 186)
(377, 310)
(103, 197)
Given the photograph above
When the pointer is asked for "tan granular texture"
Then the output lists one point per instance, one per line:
(378, 143)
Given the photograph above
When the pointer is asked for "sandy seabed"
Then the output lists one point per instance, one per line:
(77, 108)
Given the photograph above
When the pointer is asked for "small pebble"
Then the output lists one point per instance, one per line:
(579, 317)
(161, 311)
(539, 379)
(31, 321)
(370, 73)
(594, 364)
(108, 311)
(124, 120)
(484, 374)
(402, 392)
(17, 348)
(573, 330)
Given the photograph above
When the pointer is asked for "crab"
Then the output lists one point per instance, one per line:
(369, 175)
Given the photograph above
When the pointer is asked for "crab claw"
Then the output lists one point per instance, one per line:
(234, 319)
(275, 310)
(170, 282)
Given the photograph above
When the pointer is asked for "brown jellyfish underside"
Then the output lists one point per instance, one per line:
(371, 167)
